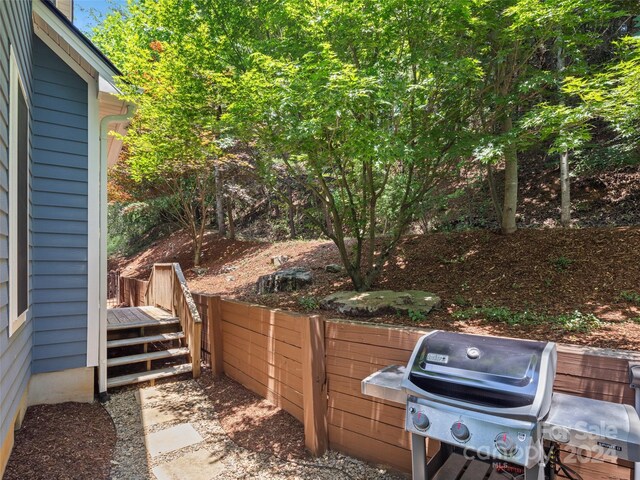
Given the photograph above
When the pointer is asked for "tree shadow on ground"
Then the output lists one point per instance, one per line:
(253, 422)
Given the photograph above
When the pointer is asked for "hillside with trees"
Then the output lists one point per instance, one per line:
(417, 144)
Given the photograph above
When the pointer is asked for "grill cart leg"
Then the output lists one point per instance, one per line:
(418, 457)
(535, 473)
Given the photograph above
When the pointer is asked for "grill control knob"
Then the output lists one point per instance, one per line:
(460, 432)
(506, 445)
(420, 420)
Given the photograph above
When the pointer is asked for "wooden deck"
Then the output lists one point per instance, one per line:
(138, 317)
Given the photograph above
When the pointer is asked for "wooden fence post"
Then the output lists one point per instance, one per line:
(120, 289)
(214, 317)
(314, 385)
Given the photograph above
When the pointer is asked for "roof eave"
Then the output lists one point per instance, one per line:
(61, 25)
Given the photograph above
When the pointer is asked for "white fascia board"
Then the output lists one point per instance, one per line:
(104, 86)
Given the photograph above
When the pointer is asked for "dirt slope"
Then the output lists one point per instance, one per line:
(547, 271)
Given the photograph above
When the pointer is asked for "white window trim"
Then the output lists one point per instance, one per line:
(15, 82)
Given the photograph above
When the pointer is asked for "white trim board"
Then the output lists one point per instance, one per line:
(16, 319)
(94, 227)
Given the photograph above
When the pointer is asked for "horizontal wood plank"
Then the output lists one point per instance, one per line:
(255, 386)
(380, 335)
(367, 353)
(279, 373)
(264, 354)
(395, 435)
(375, 410)
(369, 448)
(273, 384)
(264, 315)
(273, 344)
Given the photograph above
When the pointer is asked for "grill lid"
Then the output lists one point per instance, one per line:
(492, 372)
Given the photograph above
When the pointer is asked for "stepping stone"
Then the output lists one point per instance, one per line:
(198, 465)
(149, 395)
(172, 438)
(163, 414)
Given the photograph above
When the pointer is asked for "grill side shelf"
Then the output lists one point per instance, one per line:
(385, 384)
(601, 427)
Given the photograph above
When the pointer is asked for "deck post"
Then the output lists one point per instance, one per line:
(634, 380)
(314, 385)
(214, 317)
(197, 348)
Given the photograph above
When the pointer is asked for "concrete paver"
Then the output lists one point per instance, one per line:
(162, 414)
(198, 465)
(172, 438)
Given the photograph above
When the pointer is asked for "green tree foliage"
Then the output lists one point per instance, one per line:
(362, 106)
(518, 43)
(368, 116)
(175, 78)
(612, 94)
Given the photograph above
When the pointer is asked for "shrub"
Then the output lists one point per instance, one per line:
(630, 296)
(578, 322)
(574, 322)
(309, 303)
(416, 316)
(501, 315)
(131, 227)
(562, 263)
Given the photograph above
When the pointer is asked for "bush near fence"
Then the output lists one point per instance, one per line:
(312, 369)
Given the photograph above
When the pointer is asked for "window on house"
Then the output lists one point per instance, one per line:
(18, 199)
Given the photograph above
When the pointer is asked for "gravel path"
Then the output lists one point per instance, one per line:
(185, 402)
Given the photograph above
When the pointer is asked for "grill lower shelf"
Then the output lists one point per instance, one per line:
(459, 468)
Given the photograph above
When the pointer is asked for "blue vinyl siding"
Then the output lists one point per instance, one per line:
(59, 213)
(15, 351)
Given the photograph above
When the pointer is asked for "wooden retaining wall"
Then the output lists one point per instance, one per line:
(313, 368)
(276, 354)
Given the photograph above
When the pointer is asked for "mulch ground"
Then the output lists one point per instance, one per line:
(253, 422)
(63, 442)
(547, 271)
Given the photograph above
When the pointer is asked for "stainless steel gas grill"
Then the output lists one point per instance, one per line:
(490, 403)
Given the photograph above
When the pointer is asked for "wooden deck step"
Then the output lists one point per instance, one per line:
(143, 357)
(127, 342)
(137, 317)
(147, 376)
(144, 323)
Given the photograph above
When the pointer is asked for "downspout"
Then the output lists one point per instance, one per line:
(102, 344)
(634, 380)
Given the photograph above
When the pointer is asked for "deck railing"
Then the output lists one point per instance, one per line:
(168, 289)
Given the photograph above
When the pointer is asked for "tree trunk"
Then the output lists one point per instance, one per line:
(219, 200)
(510, 184)
(196, 254)
(494, 194)
(292, 213)
(565, 181)
(232, 226)
(565, 191)
(327, 218)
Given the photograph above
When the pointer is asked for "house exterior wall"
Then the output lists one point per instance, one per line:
(15, 351)
(60, 187)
